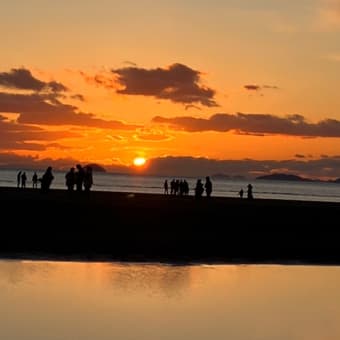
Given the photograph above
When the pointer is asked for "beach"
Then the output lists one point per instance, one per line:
(150, 227)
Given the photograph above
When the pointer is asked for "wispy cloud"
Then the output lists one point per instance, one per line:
(150, 135)
(254, 87)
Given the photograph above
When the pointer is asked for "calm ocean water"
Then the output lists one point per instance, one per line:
(105, 301)
(306, 191)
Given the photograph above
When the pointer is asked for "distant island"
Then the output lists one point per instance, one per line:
(286, 177)
(294, 178)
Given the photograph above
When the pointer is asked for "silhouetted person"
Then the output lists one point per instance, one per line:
(250, 192)
(70, 178)
(199, 189)
(181, 188)
(208, 186)
(23, 180)
(172, 187)
(177, 187)
(19, 179)
(79, 177)
(166, 187)
(186, 187)
(46, 179)
(241, 193)
(88, 178)
(35, 180)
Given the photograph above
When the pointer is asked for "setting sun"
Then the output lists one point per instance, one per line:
(139, 161)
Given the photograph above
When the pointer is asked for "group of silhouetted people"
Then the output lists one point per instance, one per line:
(177, 187)
(249, 192)
(181, 187)
(79, 178)
(45, 180)
(200, 188)
(22, 179)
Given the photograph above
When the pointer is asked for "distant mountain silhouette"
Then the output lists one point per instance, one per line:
(96, 167)
(285, 177)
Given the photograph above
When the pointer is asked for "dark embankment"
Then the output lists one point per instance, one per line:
(106, 225)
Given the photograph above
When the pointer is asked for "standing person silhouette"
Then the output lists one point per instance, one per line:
(46, 179)
(88, 178)
(19, 179)
(23, 180)
(208, 186)
(35, 180)
(166, 187)
(241, 193)
(70, 179)
(79, 177)
(199, 189)
(250, 192)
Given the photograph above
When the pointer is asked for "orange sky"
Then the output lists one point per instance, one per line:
(224, 80)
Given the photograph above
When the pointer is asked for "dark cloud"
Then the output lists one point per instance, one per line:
(253, 87)
(201, 167)
(12, 160)
(300, 156)
(39, 108)
(22, 79)
(43, 106)
(191, 106)
(178, 83)
(130, 63)
(272, 87)
(101, 79)
(25, 137)
(292, 125)
(79, 97)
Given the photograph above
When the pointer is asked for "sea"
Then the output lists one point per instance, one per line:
(42, 300)
(222, 187)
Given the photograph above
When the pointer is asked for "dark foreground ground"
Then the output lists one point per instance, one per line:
(145, 227)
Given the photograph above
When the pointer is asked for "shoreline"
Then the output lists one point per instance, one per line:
(116, 226)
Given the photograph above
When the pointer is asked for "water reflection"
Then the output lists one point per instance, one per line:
(14, 271)
(169, 280)
(51, 300)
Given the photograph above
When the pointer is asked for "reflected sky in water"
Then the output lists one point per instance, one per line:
(65, 300)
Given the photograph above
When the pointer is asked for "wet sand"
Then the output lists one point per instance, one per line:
(148, 227)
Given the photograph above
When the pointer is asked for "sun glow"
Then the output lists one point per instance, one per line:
(139, 161)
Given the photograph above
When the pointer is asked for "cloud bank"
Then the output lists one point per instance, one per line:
(42, 104)
(257, 124)
(200, 167)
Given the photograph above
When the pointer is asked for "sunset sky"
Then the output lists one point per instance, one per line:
(227, 86)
